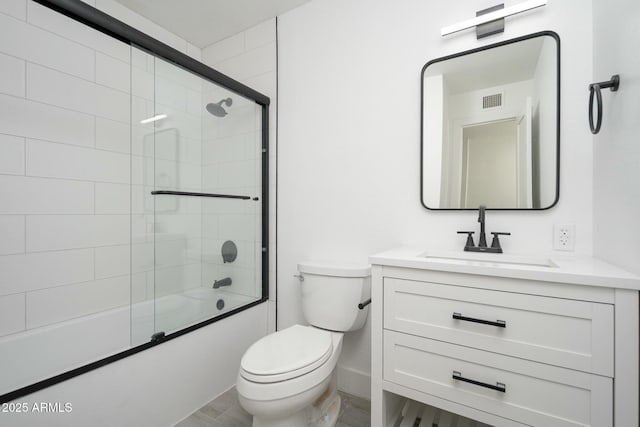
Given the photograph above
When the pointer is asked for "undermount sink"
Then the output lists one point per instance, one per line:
(489, 258)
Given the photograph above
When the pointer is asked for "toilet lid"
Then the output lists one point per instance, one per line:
(286, 354)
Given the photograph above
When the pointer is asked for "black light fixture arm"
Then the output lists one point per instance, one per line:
(594, 88)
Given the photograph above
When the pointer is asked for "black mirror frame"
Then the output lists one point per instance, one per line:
(549, 33)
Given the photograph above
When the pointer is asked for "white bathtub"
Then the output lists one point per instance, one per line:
(174, 312)
(40, 353)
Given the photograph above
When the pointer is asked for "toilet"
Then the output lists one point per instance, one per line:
(288, 378)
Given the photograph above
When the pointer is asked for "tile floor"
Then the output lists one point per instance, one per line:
(225, 411)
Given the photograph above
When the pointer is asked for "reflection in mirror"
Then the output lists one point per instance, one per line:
(490, 126)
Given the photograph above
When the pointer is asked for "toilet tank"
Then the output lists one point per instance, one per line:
(331, 293)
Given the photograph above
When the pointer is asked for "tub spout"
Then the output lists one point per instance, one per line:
(222, 282)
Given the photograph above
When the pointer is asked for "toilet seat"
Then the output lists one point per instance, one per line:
(286, 354)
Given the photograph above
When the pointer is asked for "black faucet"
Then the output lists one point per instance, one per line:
(482, 242)
(222, 282)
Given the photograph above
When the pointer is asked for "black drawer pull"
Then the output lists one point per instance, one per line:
(498, 387)
(498, 323)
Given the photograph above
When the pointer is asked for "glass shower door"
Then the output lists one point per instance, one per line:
(206, 198)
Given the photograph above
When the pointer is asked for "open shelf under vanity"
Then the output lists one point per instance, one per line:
(416, 414)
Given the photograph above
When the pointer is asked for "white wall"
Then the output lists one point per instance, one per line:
(490, 169)
(250, 57)
(65, 179)
(464, 109)
(616, 164)
(349, 141)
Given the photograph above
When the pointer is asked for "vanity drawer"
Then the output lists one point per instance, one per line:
(567, 333)
(534, 394)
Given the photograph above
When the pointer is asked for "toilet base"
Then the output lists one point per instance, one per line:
(323, 412)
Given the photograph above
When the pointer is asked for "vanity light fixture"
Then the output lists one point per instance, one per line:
(153, 119)
(492, 16)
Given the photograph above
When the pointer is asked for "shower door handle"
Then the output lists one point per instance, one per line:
(194, 194)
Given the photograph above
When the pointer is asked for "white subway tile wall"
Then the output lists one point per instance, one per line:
(12, 75)
(113, 73)
(112, 261)
(31, 272)
(58, 24)
(76, 163)
(12, 314)
(113, 136)
(25, 40)
(60, 232)
(11, 154)
(112, 198)
(63, 90)
(28, 195)
(66, 168)
(22, 117)
(15, 8)
(12, 228)
(58, 304)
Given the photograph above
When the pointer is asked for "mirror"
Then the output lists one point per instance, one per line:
(491, 126)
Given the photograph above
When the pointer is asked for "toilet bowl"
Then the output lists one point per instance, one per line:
(292, 391)
(288, 378)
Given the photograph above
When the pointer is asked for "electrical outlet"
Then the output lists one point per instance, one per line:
(564, 237)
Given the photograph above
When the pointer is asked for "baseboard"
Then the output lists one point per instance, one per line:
(354, 382)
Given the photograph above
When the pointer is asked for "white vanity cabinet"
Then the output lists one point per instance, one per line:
(505, 345)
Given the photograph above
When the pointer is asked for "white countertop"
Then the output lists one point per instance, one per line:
(564, 269)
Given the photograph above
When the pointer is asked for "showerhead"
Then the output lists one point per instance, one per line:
(216, 108)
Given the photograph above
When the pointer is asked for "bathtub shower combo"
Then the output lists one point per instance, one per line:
(154, 227)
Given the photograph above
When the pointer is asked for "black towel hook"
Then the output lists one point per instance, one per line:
(613, 85)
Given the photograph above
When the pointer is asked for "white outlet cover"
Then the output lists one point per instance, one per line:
(564, 237)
